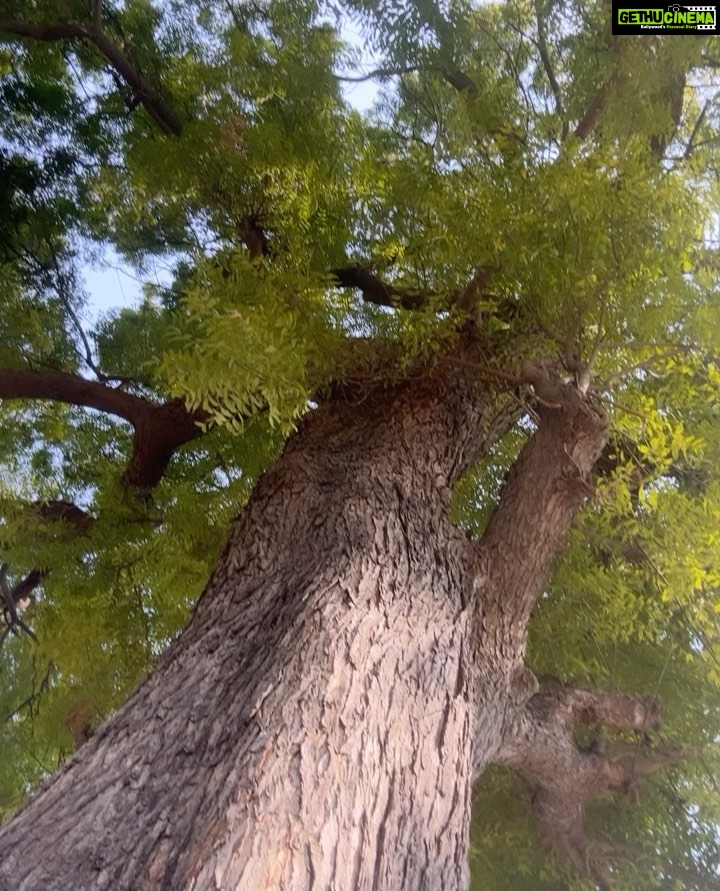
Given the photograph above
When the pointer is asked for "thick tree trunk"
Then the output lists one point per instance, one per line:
(345, 676)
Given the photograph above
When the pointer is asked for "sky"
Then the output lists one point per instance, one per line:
(115, 285)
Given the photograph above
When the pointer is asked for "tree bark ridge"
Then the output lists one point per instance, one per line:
(313, 726)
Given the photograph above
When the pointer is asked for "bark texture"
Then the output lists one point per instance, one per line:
(352, 664)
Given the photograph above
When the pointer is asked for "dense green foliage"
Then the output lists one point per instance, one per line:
(519, 139)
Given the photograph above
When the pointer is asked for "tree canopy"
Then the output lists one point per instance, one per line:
(521, 169)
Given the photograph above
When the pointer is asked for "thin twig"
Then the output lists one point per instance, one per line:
(549, 70)
(377, 73)
(690, 148)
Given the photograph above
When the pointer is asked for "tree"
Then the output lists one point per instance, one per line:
(463, 334)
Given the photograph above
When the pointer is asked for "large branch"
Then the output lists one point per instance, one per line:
(540, 498)
(63, 386)
(65, 511)
(375, 290)
(540, 745)
(154, 104)
(588, 121)
(159, 429)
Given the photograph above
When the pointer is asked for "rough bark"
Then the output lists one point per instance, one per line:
(542, 494)
(344, 675)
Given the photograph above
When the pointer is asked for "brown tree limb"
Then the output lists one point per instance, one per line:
(467, 299)
(64, 386)
(674, 97)
(157, 107)
(375, 290)
(160, 432)
(458, 79)
(23, 589)
(690, 147)
(379, 73)
(588, 121)
(462, 82)
(65, 511)
(30, 700)
(254, 236)
(658, 142)
(575, 707)
(13, 597)
(159, 429)
(97, 14)
(538, 503)
(540, 745)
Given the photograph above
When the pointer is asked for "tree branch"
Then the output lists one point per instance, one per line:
(540, 745)
(466, 300)
(159, 429)
(540, 498)
(379, 73)
(587, 122)
(253, 236)
(97, 14)
(548, 67)
(154, 104)
(66, 511)
(462, 82)
(690, 147)
(63, 386)
(375, 290)
(12, 598)
(675, 100)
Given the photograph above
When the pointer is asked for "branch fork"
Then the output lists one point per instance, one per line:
(540, 745)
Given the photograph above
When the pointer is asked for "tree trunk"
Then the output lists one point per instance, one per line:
(344, 678)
